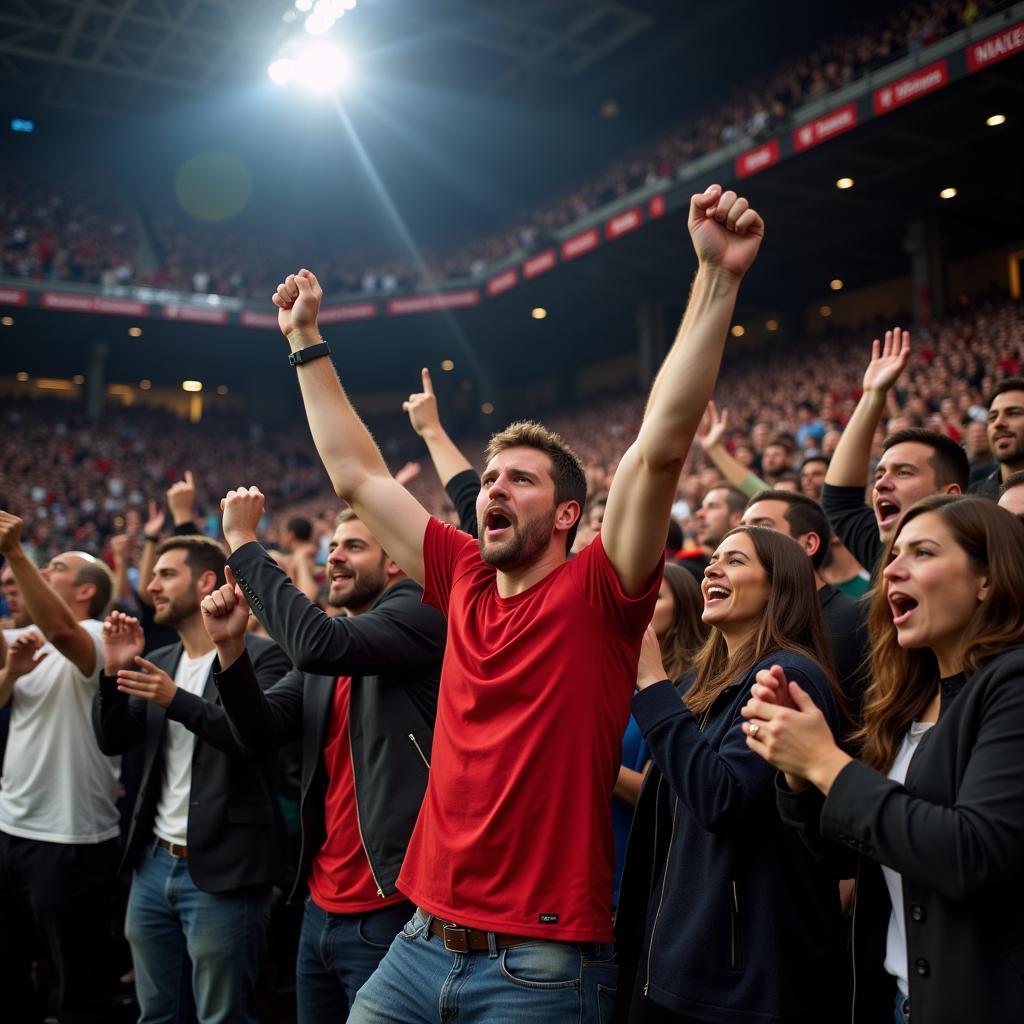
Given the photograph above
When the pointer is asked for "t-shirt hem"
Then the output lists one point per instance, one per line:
(356, 906)
(508, 927)
(49, 837)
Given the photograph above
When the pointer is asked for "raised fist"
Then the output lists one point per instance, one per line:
(726, 232)
(242, 511)
(298, 299)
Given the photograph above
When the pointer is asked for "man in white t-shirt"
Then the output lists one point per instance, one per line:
(204, 841)
(58, 822)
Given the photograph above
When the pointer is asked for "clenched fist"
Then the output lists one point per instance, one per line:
(242, 511)
(298, 299)
(726, 231)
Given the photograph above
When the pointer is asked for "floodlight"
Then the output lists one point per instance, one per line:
(282, 71)
(322, 68)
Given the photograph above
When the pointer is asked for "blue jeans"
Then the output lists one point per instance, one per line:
(337, 953)
(902, 1012)
(420, 982)
(171, 921)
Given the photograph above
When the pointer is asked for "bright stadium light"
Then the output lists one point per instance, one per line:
(322, 68)
(281, 71)
(304, 5)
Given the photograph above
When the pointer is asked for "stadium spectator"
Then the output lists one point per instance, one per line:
(812, 476)
(718, 933)
(514, 586)
(59, 824)
(204, 844)
(1005, 435)
(930, 817)
(362, 698)
(720, 510)
(914, 462)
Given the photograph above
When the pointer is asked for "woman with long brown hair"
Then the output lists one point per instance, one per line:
(933, 811)
(718, 897)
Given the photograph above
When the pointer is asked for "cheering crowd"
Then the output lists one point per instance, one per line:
(541, 765)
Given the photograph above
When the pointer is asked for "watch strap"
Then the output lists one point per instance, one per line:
(307, 355)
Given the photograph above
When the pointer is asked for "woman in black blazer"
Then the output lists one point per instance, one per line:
(934, 807)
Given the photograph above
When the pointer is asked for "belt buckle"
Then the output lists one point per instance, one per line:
(452, 944)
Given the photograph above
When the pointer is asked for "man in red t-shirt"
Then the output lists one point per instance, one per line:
(511, 860)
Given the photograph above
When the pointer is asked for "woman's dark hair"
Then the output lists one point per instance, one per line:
(904, 681)
(687, 633)
(792, 621)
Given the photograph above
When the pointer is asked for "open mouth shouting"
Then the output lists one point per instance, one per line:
(715, 593)
(498, 523)
(887, 512)
(903, 607)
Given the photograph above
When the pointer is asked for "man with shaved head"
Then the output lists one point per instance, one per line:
(58, 822)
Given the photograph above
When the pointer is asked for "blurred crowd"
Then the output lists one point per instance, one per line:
(51, 229)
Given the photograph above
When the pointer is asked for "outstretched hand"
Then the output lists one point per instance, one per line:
(422, 407)
(150, 683)
(298, 299)
(888, 360)
(713, 426)
(122, 640)
(726, 232)
(24, 654)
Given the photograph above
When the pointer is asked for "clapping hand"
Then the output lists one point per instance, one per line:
(122, 641)
(24, 654)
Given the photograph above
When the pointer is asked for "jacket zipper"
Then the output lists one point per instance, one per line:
(668, 858)
(359, 824)
(732, 926)
(419, 750)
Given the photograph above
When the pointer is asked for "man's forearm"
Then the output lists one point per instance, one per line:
(734, 471)
(345, 446)
(45, 607)
(444, 454)
(146, 562)
(687, 377)
(849, 464)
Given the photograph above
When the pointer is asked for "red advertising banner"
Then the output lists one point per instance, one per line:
(539, 264)
(826, 127)
(13, 297)
(250, 319)
(503, 282)
(196, 314)
(580, 244)
(68, 303)
(755, 160)
(622, 223)
(910, 87)
(656, 207)
(427, 303)
(342, 314)
(995, 48)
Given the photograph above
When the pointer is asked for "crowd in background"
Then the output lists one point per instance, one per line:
(50, 230)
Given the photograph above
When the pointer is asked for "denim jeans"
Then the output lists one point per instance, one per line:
(902, 1011)
(420, 981)
(337, 953)
(170, 921)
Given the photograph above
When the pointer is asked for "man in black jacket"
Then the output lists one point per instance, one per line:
(204, 838)
(915, 462)
(363, 698)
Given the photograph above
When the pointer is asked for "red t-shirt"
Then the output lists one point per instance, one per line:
(340, 879)
(515, 831)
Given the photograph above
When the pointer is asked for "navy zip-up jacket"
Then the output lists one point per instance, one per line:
(722, 916)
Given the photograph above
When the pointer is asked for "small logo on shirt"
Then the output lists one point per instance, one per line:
(549, 919)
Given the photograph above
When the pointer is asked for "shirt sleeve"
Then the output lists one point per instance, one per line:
(855, 523)
(443, 549)
(597, 580)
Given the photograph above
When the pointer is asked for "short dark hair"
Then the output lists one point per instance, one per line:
(96, 572)
(300, 527)
(566, 467)
(1013, 480)
(734, 497)
(815, 458)
(783, 441)
(949, 461)
(1006, 384)
(201, 554)
(803, 515)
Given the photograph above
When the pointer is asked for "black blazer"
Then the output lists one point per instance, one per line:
(392, 653)
(955, 832)
(234, 822)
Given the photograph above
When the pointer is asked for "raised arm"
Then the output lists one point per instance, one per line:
(850, 461)
(348, 452)
(147, 560)
(423, 415)
(711, 435)
(726, 234)
(47, 609)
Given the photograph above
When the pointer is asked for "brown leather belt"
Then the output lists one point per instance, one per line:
(471, 940)
(174, 849)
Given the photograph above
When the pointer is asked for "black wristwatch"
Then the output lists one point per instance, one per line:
(307, 355)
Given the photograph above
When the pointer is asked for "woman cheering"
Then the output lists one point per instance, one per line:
(934, 808)
(724, 915)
